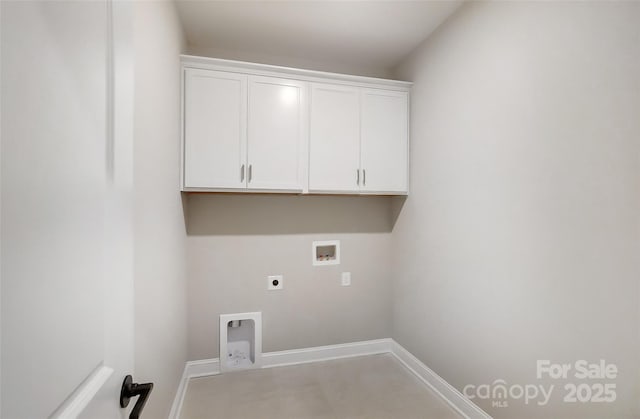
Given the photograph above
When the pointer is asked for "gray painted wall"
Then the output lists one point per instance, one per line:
(235, 241)
(160, 234)
(520, 238)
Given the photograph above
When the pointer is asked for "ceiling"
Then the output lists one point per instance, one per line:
(362, 37)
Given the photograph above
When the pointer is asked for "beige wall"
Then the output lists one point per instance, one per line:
(235, 241)
(520, 238)
(160, 235)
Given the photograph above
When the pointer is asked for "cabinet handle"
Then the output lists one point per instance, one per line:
(250, 172)
(357, 176)
(364, 177)
(242, 173)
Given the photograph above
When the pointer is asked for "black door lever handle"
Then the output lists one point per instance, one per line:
(131, 389)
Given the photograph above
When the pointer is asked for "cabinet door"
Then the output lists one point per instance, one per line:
(277, 132)
(334, 144)
(384, 141)
(215, 114)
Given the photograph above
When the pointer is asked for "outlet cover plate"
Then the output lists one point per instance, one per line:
(275, 282)
(346, 279)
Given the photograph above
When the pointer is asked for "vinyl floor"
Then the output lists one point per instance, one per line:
(375, 387)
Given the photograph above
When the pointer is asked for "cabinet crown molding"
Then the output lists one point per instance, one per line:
(219, 64)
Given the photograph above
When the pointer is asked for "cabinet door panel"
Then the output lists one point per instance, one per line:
(277, 129)
(334, 149)
(215, 114)
(384, 141)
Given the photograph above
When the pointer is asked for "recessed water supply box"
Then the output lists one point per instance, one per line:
(325, 252)
(240, 341)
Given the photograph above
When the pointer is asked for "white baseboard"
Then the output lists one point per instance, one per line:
(326, 353)
(192, 369)
(457, 400)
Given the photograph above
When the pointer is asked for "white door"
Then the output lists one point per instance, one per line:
(215, 118)
(384, 141)
(67, 300)
(334, 143)
(277, 109)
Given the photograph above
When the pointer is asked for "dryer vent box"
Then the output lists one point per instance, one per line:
(326, 252)
(240, 341)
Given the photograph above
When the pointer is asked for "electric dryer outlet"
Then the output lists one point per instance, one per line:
(275, 282)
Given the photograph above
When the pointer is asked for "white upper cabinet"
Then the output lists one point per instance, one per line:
(215, 138)
(334, 140)
(243, 132)
(258, 128)
(358, 140)
(277, 132)
(384, 141)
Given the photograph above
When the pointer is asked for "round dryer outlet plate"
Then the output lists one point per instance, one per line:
(275, 282)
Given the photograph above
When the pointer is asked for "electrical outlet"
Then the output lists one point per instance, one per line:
(275, 282)
(346, 279)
